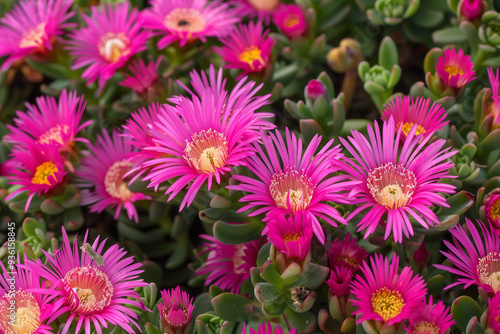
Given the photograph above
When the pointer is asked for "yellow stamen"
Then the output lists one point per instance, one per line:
(43, 172)
(287, 237)
(426, 327)
(453, 70)
(113, 181)
(265, 5)
(407, 127)
(34, 37)
(291, 21)
(112, 47)
(387, 303)
(250, 55)
(26, 315)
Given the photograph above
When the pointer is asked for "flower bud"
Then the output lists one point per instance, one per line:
(291, 20)
(471, 9)
(346, 56)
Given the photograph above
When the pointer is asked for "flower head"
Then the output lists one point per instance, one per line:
(102, 171)
(247, 48)
(112, 36)
(494, 107)
(262, 9)
(430, 318)
(471, 9)
(187, 20)
(291, 20)
(144, 80)
(408, 112)
(455, 69)
(476, 258)
(383, 294)
(314, 89)
(266, 328)
(494, 313)
(340, 278)
(346, 253)
(31, 28)
(492, 210)
(96, 287)
(176, 310)
(50, 122)
(396, 183)
(228, 266)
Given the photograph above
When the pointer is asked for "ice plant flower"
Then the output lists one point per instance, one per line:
(492, 210)
(346, 253)
(101, 176)
(455, 69)
(397, 181)
(41, 168)
(340, 278)
(384, 295)
(262, 9)
(176, 310)
(289, 180)
(112, 37)
(96, 287)
(471, 9)
(50, 121)
(494, 107)
(266, 328)
(429, 318)
(247, 48)
(187, 20)
(144, 80)
(494, 313)
(476, 258)
(290, 19)
(410, 111)
(31, 28)
(314, 89)
(228, 266)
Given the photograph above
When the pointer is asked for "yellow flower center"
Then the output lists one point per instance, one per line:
(206, 151)
(494, 212)
(453, 70)
(349, 260)
(291, 20)
(112, 47)
(287, 237)
(54, 134)
(250, 55)
(488, 270)
(43, 172)
(187, 20)
(407, 127)
(34, 37)
(387, 303)
(26, 316)
(291, 190)
(264, 5)
(113, 181)
(426, 327)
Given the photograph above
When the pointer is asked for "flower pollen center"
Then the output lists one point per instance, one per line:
(207, 151)
(238, 261)
(34, 38)
(250, 55)
(407, 127)
(175, 316)
(291, 190)
(387, 303)
(493, 210)
(113, 181)
(43, 171)
(453, 70)
(488, 270)
(113, 47)
(185, 20)
(54, 134)
(26, 316)
(287, 237)
(264, 5)
(349, 260)
(391, 186)
(291, 20)
(426, 327)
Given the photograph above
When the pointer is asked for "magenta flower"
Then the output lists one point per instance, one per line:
(396, 183)
(346, 253)
(247, 48)
(40, 170)
(382, 294)
(494, 107)
(494, 313)
(144, 80)
(289, 181)
(290, 19)
(430, 318)
(408, 112)
(492, 210)
(228, 266)
(102, 171)
(471, 9)
(455, 69)
(262, 9)
(111, 38)
(265, 328)
(187, 20)
(96, 287)
(475, 257)
(314, 89)
(50, 122)
(339, 281)
(31, 27)
(176, 310)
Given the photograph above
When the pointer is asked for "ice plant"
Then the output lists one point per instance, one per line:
(455, 69)
(176, 311)
(340, 278)
(266, 328)
(290, 19)
(40, 169)
(101, 176)
(429, 318)
(494, 107)
(471, 9)
(262, 9)
(144, 79)
(492, 210)
(31, 28)
(187, 20)
(476, 258)
(112, 37)
(228, 266)
(397, 181)
(494, 313)
(385, 295)
(96, 287)
(289, 180)
(410, 111)
(50, 121)
(346, 253)
(247, 48)
(314, 89)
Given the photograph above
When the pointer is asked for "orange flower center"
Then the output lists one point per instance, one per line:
(250, 55)
(34, 38)
(453, 70)
(113, 47)
(25, 318)
(54, 134)
(407, 127)
(287, 237)
(494, 209)
(264, 5)
(206, 151)
(387, 303)
(349, 260)
(113, 181)
(426, 327)
(291, 20)
(43, 172)
(187, 20)
(291, 190)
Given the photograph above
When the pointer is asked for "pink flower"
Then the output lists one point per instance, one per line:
(266, 328)
(396, 183)
(340, 278)
(31, 27)
(176, 310)
(494, 313)
(494, 107)
(97, 288)
(290, 19)
(408, 112)
(455, 69)
(315, 88)
(492, 210)
(430, 318)
(262, 9)
(187, 20)
(247, 48)
(382, 294)
(289, 181)
(111, 38)
(103, 171)
(144, 80)
(471, 9)
(346, 253)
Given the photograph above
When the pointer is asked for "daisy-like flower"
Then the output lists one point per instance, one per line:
(289, 180)
(228, 266)
(187, 20)
(455, 69)
(476, 257)
(340, 278)
(396, 183)
(262, 9)
(96, 287)
(176, 310)
(50, 121)
(494, 107)
(144, 80)
(266, 328)
(408, 112)
(384, 295)
(247, 48)
(111, 38)
(492, 210)
(290, 19)
(430, 318)
(494, 313)
(346, 253)
(102, 171)
(31, 27)
(40, 170)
